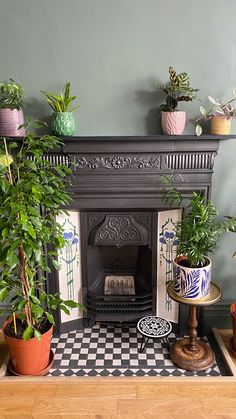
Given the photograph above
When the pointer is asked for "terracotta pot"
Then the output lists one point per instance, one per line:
(233, 319)
(173, 123)
(10, 120)
(191, 283)
(29, 357)
(220, 125)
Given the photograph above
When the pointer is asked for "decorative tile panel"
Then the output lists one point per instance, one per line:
(166, 251)
(70, 278)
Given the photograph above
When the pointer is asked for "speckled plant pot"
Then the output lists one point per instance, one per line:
(191, 283)
(173, 123)
(63, 123)
(10, 120)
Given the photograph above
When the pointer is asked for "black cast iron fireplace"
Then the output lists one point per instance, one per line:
(121, 283)
(116, 186)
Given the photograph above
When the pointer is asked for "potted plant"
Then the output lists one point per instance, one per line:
(220, 114)
(197, 233)
(11, 113)
(63, 122)
(32, 193)
(177, 90)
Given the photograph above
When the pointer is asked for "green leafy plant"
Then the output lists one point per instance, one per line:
(11, 95)
(32, 193)
(199, 230)
(60, 102)
(218, 108)
(177, 90)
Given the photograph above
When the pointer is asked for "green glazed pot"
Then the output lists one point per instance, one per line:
(63, 123)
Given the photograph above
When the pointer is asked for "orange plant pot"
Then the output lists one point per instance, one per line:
(29, 357)
(233, 319)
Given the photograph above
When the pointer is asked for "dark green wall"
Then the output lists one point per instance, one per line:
(113, 51)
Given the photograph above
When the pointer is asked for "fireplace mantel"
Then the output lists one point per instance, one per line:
(125, 172)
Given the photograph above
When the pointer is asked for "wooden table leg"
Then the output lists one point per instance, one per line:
(189, 353)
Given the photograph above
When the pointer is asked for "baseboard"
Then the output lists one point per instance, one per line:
(218, 316)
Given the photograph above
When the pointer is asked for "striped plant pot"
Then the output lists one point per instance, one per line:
(220, 125)
(173, 123)
(10, 120)
(191, 283)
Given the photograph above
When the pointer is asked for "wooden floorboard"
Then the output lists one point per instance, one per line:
(115, 398)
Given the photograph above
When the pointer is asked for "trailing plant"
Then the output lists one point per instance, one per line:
(32, 193)
(200, 229)
(177, 90)
(60, 102)
(218, 108)
(11, 95)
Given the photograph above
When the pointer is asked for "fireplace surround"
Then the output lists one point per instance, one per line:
(115, 182)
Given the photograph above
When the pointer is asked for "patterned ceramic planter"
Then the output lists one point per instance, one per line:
(10, 120)
(173, 123)
(220, 125)
(63, 123)
(191, 283)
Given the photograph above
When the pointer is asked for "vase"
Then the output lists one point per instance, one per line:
(63, 123)
(191, 283)
(10, 121)
(220, 125)
(173, 123)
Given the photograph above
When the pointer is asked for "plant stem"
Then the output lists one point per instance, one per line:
(8, 164)
(25, 283)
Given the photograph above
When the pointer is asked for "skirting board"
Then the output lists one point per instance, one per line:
(225, 351)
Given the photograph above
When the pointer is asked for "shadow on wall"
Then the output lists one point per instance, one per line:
(36, 109)
(153, 100)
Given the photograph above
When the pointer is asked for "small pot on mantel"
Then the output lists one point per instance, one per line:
(173, 123)
(220, 125)
(10, 121)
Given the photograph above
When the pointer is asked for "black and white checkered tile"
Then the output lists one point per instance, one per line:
(113, 351)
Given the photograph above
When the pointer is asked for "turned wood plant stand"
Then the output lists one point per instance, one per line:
(189, 353)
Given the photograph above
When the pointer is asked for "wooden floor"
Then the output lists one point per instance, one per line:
(117, 398)
(114, 398)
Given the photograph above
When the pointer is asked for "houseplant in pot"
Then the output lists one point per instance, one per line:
(32, 193)
(220, 114)
(197, 233)
(11, 113)
(177, 90)
(63, 122)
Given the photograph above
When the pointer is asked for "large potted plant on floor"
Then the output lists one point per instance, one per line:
(197, 233)
(11, 112)
(63, 122)
(32, 193)
(177, 90)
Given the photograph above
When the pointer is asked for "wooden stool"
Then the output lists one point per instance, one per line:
(190, 353)
(153, 327)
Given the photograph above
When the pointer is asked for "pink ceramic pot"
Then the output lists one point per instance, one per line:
(10, 120)
(173, 123)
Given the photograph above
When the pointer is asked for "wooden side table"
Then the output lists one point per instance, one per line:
(189, 353)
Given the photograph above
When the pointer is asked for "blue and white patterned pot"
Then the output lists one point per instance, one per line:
(191, 283)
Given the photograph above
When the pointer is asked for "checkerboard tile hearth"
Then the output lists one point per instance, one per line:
(113, 351)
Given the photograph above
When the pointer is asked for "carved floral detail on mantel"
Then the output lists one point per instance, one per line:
(115, 162)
